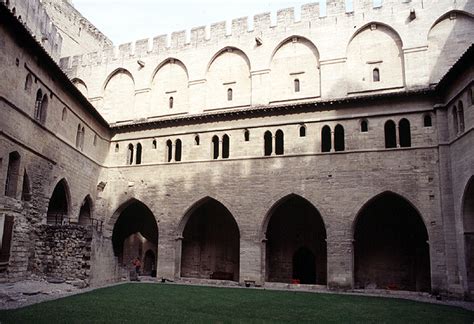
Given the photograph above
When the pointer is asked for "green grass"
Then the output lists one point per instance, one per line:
(160, 303)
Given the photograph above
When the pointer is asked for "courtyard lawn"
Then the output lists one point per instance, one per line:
(167, 303)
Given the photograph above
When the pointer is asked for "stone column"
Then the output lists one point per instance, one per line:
(332, 141)
(340, 263)
(166, 263)
(250, 259)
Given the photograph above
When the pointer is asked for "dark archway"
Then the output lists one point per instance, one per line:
(134, 233)
(468, 220)
(296, 243)
(58, 207)
(149, 264)
(85, 213)
(211, 247)
(390, 248)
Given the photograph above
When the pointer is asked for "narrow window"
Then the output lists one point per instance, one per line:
(153, 144)
(215, 147)
(7, 231)
(246, 135)
(268, 143)
(376, 75)
(78, 136)
(229, 94)
(43, 110)
(178, 150)
(83, 133)
(405, 133)
(279, 142)
(39, 99)
(138, 156)
(130, 154)
(302, 131)
(26, 188)
(390, 134)
(364, 126)
(64, 114)
(427, 121)
(171, 102)
(225, 146)
(339, 144)
(95, 139)
(297, 85)
(28, 82)
(197, 140)
(455, 120)
(13, 173)
(461, 116)
(117, 147)
(326, 139)
(471, 96)
(169, 150)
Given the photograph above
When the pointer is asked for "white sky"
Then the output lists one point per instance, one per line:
(130, 20)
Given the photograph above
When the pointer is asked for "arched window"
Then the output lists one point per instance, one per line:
(339, 138)
(326, 139)
(364, 126)
(427, 122)
(404, 133)
(169, 150)
(215, 147)
(83, 133)
(171, 102)
(279, 142)
(58, 207)
(471, 96)
(246, 135)
(64, 114)
(28, 82)
(13, 174)
(117, 147)
(85, 213)
(297, 85)
(268, 147)
(130, 154)
(26, 187)
(390, 134)
(153, 144)
(376, 75)
(138, 155)
(225, 146)
(229, 94)
(177, 150)
(78, 136)
(38, 102)
(455, 120)
(461, 116)
(197, 140)
(302, 131)
(43, 109)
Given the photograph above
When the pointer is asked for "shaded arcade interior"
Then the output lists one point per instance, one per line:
(210, 245)
(391, 248)
(135, 234)
(296, 244)
(468, 219)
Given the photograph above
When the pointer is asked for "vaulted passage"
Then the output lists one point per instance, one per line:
(296, 243)
(468, 217)
(135, 235)
(390, 248)
(210, 247)
(58, 204)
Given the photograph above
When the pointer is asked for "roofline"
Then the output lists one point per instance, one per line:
(458, 68)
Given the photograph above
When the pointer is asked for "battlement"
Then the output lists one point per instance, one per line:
(34, 16)
(313, 15)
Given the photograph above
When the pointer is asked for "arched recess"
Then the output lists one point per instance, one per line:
(295, 70)
(448, 39)
(59, 204)
(391, 249)
(374, 46)
(169, 87)
(468, 222)
(81, 86)
(134, 233)
(228, 69)
(119, 96)
(85, 213)
(295, 237)
(210, 246)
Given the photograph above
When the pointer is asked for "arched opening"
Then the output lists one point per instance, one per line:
(427, 122)
(297, 85)
(64, 114)
(279, 142)
(302, 131)
(229, 94)
(461, 116)
(169, 86)
(26, 187)
(38, 103)
(225, 146)
(246, 135)
(154, 145)
(197, 140)
(468, 222)
(117, 147)
(169, 150)
(390, 134)
(85, 213)
(130, 154)
(28, 82)
(138, 158)
(268, 146)
(326, 139)
(376, 75)
(339, 144)
(13, 174)
(149, 264)
(178, 150)
(215, 147)
(171, 102)
(135, 232)
(296, 243)
(58, 207)
(83, 134)
(119, 96)
(364, 126)
(210, 247)
(391, 248)
(455, 120)
(405, 133)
